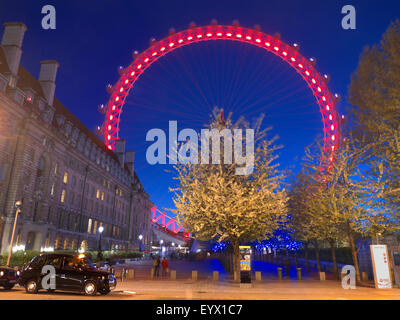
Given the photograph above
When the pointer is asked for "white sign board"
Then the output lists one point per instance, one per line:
(380, 262)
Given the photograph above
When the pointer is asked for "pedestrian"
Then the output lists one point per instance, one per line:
(164, 265)
(156, 265)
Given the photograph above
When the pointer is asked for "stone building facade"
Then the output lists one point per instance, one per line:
(70, 184)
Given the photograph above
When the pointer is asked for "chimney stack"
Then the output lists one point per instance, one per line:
(130, 160)
(120, 151)
(12, 46)
(47, 79)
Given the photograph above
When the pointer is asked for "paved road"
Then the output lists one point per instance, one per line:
(205, 289)
(142, 288)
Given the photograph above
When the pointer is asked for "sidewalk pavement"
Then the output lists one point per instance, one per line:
(264, 290)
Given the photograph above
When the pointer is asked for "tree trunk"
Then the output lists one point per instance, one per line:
(306, 256)
(317, 256)
(236, 259)
(354, 254)
(333, 250)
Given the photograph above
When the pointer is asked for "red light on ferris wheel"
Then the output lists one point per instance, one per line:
(288, 53)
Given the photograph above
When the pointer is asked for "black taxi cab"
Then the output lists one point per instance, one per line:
(8, 277)
(72, 273)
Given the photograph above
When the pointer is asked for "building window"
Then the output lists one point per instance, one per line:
(98, 194)
(66, 242)
(65, 179)
(53, 189)
(89, 230)
(74, 244)
(95, 227)
(102, 196)
(3, 169)
(63, 195)
(56, 167)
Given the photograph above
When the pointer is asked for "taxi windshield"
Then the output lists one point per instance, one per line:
(85, 263)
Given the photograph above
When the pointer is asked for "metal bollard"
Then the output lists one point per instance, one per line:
(173, 274)
(258, 275)
(298, 273)
(194, 275)
(215, 276)
(152, 274)
(131, 274)
(280, 274)
(322, 276)
(364, 276)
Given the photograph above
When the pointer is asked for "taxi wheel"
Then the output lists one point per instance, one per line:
(8, 286)
(31, 286)
(90, 288)
(105, 292)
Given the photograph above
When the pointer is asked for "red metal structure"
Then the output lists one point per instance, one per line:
(168, 224)
(305, 67)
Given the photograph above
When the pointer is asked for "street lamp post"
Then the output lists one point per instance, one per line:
(100, 253)
(18, 206)
(140, 246)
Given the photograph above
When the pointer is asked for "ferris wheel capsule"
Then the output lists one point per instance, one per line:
(235, 23)
(192, 25)
(327, 77)
(172, 31)
(257, 28)
(214, 22)
(296, 46)
(121, 70)
(152, 41)
(98, 130)
(277, 36)
(109, 88)
(135, 54)
(101, 108)
(313, 61)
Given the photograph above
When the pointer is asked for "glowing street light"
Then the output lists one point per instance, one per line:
(140, 238)
(100, 253)
(18, 206)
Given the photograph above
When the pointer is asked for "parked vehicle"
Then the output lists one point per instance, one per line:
(72, 273)
(8, 277)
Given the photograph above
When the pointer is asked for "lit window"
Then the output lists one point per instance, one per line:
(102, 196)
(65, 179)
(63, 195)
(89, 230)
(98, 194)
(53, 187)
(95, 227)
(56, 168)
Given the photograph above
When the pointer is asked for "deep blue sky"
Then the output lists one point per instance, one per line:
(93, 38)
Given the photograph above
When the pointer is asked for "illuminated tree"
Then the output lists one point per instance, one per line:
(216, 203)
(375, 96)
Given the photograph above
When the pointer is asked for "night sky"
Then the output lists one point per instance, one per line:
(94, 38)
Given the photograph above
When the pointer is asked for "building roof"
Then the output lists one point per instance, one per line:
(27, 80)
